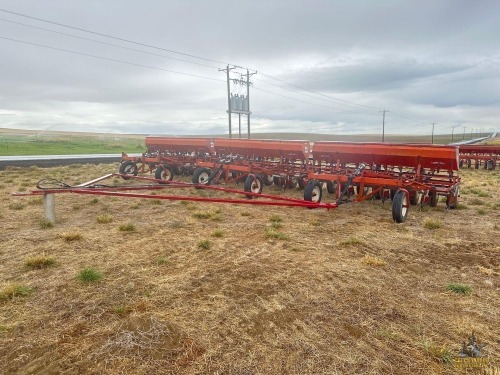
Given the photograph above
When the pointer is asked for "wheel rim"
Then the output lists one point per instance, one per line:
(203, 177)
(165, 175)
(404, 205)
(129, 169)
(255, 188)
(316, 193)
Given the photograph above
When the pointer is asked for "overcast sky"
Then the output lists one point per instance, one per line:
(322, 66)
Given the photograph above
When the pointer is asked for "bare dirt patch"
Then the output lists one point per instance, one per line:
(311, 301)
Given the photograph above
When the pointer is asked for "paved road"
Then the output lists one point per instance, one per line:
(57, 160)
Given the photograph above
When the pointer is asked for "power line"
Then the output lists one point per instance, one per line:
(303, 101)
(300, 93)
(409, 119)
(321, 94)
(112, 37)
(109, 59)
(180, 53)
(108, 44)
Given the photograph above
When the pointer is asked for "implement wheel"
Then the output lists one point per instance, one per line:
(452, 199)
(301, 183)
(164, 172)
(313, 191)
(128, 167)
(278, 181)
(201, 176)
(267, 179)
(400, 207)
(253, 184)
(489, 165)
(331, 187)
(433, 199)
(469, 163)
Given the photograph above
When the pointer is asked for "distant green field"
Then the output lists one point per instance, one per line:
(11, 145)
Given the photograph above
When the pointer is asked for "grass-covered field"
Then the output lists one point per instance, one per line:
(60, 143)
(130, 286)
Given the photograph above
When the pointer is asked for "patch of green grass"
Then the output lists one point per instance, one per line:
(76, 207)
(14, 290)
(275, 219)
(202, 215)
(156, 202)
(462, 206)
(459, 288)
(476, 202)
(276, 225)
(94, 200)
(161, 261)
(352, 240)
(46, 224)
(89, 275)
(135, 206)
(122, 310)
(438, 353)
(481, 212)
(71, 236)
(4, 328)
(39, 261)
(204, 245)
(245, 213)
(431, 223)
(104, 219)
(272, 234)
(218, 233)
(16, 206)
(68, 144)
(128, 227)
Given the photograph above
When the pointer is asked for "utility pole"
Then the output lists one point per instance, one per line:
(238, 103)
(452, 130)
(227, 70)
(432, 139)
(383, 124)
(463, 138)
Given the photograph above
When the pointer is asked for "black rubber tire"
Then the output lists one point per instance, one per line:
(128, 167)
(433, 199)
(461, 163)
(313, 191)
(399, 207)
(331, 187)
(268, 180)
(477, 165)
(449, 205)
(177, 170)
(414, 198)
(164, 172)
(278, 181)
(393, 193)
(253, 184)
(489, 165)
(201, 175)
(469, 163)
(301, 182)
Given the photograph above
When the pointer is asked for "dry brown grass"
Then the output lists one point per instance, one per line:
(252, 303)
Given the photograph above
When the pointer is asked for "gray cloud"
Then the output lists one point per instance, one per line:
(428, 61)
